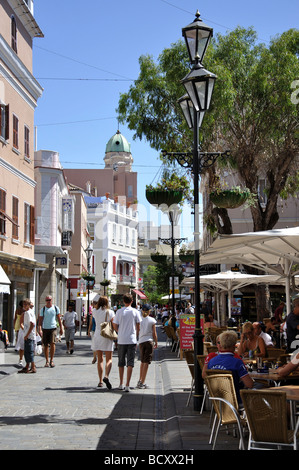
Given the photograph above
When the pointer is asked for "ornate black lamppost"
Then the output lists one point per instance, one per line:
(104, 264)
(89, 252)
(199, 84)
(173, 242)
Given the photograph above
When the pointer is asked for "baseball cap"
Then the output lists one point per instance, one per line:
(146, 307)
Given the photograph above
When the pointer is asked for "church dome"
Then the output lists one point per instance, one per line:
(118, 143)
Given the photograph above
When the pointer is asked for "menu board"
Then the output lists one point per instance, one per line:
(187, 329)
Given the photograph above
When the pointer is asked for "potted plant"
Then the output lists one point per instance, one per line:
(87, 276)
(158, 258)
(105, 282)
(230, 198)
(172, 189)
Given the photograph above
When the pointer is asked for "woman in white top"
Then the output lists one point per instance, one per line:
(100, 344)
(147, 342)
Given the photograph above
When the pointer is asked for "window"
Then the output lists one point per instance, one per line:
(4, 121)
(15, 131)
(14, 34)
(130, 190)
(26, 142)
(114, 233)
(29, 224)
(114, 265)
(15, 217)
(127, 237)
(2, 210)
(121, 242)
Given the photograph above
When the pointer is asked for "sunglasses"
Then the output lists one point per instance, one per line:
(48, 300)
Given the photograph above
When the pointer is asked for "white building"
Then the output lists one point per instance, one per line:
(114, 230)
(54, 209)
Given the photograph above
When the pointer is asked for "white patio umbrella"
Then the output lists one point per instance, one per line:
(273, 251)
(229, 281)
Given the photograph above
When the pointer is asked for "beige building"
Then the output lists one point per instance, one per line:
(19, 92)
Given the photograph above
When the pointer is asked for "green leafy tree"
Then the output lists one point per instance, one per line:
(252, 112)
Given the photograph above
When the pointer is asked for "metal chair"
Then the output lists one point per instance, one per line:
(223, 396)
(266, 413)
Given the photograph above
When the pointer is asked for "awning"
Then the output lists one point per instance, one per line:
(4, 282)
(140, 294)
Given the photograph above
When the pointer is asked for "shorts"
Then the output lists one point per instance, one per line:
(126, 351)
(69, 334)
(49, 336)
(146, 352)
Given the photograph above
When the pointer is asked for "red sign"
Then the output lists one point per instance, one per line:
(187, 329)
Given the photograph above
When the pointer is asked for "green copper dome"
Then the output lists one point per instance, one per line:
(118, 143)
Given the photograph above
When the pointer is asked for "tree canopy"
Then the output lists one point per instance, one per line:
(253, 111)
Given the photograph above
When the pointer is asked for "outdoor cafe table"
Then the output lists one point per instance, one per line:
(292, 395)
(273, 377)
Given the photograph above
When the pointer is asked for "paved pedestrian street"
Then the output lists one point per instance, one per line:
(61, 408)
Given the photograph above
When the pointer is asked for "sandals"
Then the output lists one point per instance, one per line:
(51, 364)
(100, 384)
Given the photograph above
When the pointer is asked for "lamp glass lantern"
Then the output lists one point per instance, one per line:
(199, 84)
(188, 111)
(89, 251)
(105, 264)
(197, 36)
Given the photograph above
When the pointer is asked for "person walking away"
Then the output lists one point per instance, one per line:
(47, 328)
(100, 344)
(17, 319)
(292, 327)
(29, 325)
(148, 340)
(70, 323)
(91, 330)
(127, 323)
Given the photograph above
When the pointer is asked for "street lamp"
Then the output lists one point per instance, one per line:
(89, 252)
(199, 84)
(197, 36)
(104, 264)
(173, 242)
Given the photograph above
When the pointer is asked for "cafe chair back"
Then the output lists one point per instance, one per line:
(223, 396)
(267, 418)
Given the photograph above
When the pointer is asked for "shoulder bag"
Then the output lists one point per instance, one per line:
(107, 330)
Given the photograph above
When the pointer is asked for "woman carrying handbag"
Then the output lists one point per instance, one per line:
(102, 345)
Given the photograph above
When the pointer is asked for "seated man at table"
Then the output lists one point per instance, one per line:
(258, 331)
(226, 360)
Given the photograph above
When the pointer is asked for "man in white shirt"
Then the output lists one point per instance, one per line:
(70, 323)
(127, 324)
(29, 323)
(258, 332)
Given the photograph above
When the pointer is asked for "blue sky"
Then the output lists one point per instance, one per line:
(90, 53)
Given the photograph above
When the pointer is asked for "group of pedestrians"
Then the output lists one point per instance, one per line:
(131, 327)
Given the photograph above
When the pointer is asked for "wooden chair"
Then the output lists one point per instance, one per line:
(168, 334)
(266, 413)
(274, 354)
(212, 349)
(189, 356)
(223, 395)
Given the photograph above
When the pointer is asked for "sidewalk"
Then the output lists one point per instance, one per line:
(62, 407)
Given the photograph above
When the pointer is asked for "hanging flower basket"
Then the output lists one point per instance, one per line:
(105, 283)
(156, 258)
(158, 197)
(186, 258)
(88, 277)
(229, 198)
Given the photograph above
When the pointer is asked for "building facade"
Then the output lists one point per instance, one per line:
(54, 228)
(19, 93)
